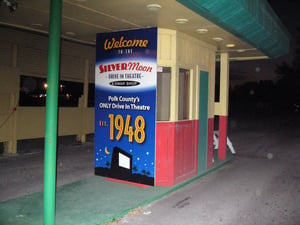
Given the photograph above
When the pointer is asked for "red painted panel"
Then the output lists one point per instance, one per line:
(210, 142)
(222, 137)
(127, 182)
(196, 138)
(164, 157)
(185, 151)
(176, 152)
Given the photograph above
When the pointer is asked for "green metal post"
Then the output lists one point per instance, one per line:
(51, 113)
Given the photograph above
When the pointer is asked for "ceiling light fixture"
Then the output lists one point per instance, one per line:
(70, 33)
(231, 45)
(217, 39)
(36, 25)
(153, 7)
(202, 30)
(181, 21)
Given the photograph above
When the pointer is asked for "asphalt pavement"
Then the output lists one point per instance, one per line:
(261, 186)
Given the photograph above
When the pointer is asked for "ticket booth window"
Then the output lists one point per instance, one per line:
(163, 94)
(183, 94)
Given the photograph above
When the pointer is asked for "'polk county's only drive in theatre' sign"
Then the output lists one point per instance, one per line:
(125, 99)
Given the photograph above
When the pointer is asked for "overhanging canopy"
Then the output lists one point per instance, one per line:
(253, 21)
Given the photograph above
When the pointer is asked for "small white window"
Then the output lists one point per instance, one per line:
(163, 94)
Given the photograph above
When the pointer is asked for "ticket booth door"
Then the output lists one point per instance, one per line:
(203, 122)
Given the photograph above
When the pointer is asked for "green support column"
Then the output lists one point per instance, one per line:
(51, 113)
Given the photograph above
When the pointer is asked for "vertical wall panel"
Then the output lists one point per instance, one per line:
(31, 51)
(185, 151)
(164, 157)
(71, 67)
(166, 47)
(32, 61)
(5, 53)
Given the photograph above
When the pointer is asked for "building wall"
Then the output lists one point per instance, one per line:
(26, 54)
(178, 50)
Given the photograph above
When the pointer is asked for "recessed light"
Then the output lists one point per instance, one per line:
(231, 45)
(217, 39)
(70, 33)
(153, 7)
(202, 30)
(181, 21)
(37, 25)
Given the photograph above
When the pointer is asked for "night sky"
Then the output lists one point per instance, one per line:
(242, 72)
(288, 12)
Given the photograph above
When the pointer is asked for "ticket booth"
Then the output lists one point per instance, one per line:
(154, 106)
(185, 91)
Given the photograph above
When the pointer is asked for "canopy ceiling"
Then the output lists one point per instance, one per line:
(253, 28)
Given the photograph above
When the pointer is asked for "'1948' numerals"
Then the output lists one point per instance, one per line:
(124, 128)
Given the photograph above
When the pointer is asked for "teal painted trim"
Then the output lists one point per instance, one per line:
(51, 113)
(253, 21)
(203, 122)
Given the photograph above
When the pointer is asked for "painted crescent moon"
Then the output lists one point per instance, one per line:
(106, 151)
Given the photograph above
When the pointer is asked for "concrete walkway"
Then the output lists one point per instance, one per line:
(260, 186)
(81, 197)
